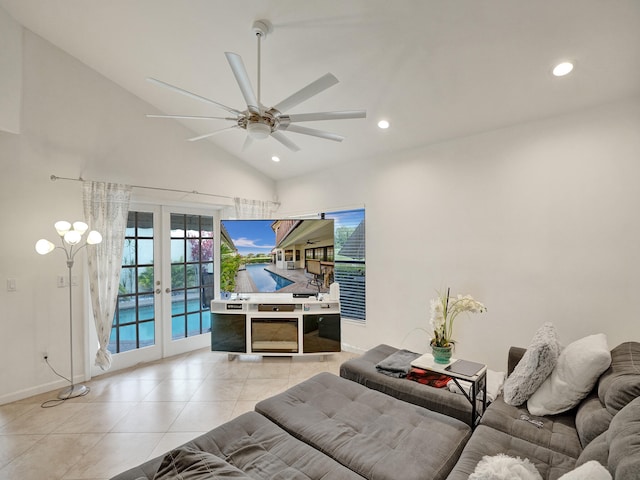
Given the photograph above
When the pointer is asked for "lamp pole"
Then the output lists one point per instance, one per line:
(70, 237)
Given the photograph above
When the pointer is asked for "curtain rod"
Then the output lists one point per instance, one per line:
(193, 192)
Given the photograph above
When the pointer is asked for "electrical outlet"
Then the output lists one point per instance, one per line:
(60, 281)
(11, 285)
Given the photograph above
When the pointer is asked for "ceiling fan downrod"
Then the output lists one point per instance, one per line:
(260, 28)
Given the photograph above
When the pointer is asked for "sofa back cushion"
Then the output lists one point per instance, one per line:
(592, 418)
(620, 384)
(619, 447)
(624, 442)
(598, 450)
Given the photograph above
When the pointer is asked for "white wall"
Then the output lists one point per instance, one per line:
(77, 123)
(538, 221)
(10, 73)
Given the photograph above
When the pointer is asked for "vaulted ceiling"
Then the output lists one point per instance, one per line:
(436, 70)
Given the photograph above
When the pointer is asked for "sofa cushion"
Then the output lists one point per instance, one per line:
(624, 442)
(558, 432)
(488, 441)
(259, 448)
(371, 433)
(579, 366)
(621, 382)
(187, 463)
(363, 370)
(534, 367)
(592, 418)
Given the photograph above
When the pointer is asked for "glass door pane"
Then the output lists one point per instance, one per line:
(191, 240)
(135, 316)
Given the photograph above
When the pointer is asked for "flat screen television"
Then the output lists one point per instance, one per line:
(276, 256)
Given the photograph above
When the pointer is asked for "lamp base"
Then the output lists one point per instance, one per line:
(73, 391)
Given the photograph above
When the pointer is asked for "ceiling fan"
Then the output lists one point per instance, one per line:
(262, 122)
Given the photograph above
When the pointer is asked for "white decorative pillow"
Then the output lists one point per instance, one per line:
(504, 467)
(534, 367)
(579, 366)
(591, 470)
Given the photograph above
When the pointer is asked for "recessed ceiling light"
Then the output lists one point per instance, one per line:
(383, 124)
(275, 158)
(562, 69)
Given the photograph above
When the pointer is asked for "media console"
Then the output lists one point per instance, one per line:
(275, 324)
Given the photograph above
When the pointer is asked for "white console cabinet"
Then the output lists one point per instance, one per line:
(275, 324)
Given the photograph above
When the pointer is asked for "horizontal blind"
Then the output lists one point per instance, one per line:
(352, 290)
(349, 262)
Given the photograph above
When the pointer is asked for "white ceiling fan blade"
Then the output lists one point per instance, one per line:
(247, 142)
(312, 117)
(240, 72)
(307, 92)
(285, 141)
(315, 133)
(211, 134)
(192, 95)
(189, 117)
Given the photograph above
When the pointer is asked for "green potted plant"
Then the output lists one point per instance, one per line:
(444, 311)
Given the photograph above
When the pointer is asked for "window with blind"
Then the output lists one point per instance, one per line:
(350, 261)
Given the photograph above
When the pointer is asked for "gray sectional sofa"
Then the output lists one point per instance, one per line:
(334, 428)
(324, 428)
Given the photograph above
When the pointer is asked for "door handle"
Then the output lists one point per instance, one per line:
(168, 290)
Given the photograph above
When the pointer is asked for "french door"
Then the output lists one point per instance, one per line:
(166, 284)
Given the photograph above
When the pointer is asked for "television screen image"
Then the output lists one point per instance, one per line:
(276, 256)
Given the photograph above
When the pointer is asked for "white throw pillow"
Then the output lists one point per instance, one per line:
(534, 367)
(591, 470)
(504, 467)
(579, 366)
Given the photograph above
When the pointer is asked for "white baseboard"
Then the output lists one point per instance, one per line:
(353, 349)
(37, 390)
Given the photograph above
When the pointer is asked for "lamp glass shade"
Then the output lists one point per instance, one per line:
(44, 246)
(80, 227)
(72, 237)
(258, 131)
(94, 237)
(62, 227)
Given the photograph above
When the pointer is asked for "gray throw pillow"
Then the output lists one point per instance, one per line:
(187, 463)
(534, 367)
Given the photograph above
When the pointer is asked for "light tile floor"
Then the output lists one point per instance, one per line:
(139, 413)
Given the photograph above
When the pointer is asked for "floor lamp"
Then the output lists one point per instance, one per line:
(71, 239)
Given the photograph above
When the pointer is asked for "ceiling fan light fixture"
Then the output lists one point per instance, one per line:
(258, 131)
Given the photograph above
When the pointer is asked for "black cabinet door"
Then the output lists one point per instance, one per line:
(321, 333)
(228, 333)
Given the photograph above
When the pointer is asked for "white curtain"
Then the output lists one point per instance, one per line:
(250, 209)
(106, 206)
